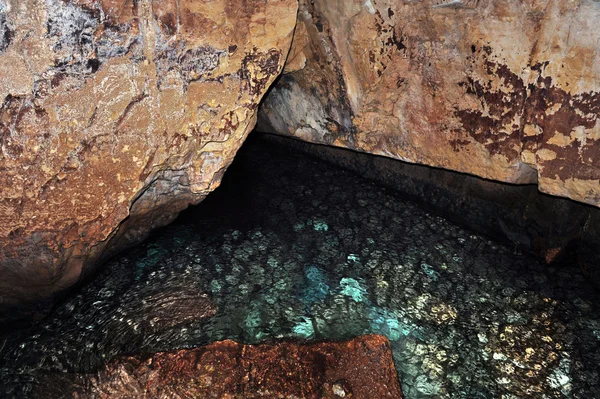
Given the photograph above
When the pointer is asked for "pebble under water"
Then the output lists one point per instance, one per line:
(293, 248)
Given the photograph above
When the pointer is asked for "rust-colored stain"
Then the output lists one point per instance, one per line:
(541, 104)
(494, 124)
(558, 112)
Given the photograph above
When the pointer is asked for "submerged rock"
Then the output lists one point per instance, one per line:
(161, 310)
(360, 368)
(115, 116)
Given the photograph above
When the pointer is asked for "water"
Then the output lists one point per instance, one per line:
(290, 247)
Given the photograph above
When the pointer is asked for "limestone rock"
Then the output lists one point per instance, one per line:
(114, 116)
(361, 368)
(505, 90)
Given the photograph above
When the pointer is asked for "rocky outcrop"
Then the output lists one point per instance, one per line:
(114, 116)
(505, 90)
(361, 368)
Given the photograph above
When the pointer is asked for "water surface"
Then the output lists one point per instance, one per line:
(291, 247)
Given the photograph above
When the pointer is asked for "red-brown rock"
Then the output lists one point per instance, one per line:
(361, 368)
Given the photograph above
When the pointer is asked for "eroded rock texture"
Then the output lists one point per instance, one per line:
(361, 368)
(114, 116)
(506, 90)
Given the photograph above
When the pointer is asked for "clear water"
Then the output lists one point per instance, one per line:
(290, 247)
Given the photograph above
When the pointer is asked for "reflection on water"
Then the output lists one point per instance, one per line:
(291, 247)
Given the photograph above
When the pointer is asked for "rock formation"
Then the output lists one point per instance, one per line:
(506, 90)
(117, 114)
(361, 368)
(114, 116)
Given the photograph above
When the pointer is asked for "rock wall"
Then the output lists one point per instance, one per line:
(506, 90)
(114, 116)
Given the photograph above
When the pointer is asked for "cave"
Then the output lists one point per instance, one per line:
(299, 199)
(296, 247)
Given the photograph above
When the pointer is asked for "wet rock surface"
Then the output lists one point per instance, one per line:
(361, 368)
(502, 90)
(293, 248)
(114, 116)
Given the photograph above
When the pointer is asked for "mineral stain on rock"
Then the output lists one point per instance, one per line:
(560, 116)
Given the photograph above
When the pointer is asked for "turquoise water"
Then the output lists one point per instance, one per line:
(292, 248)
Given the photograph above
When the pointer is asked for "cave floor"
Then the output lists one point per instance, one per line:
(290, 247)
